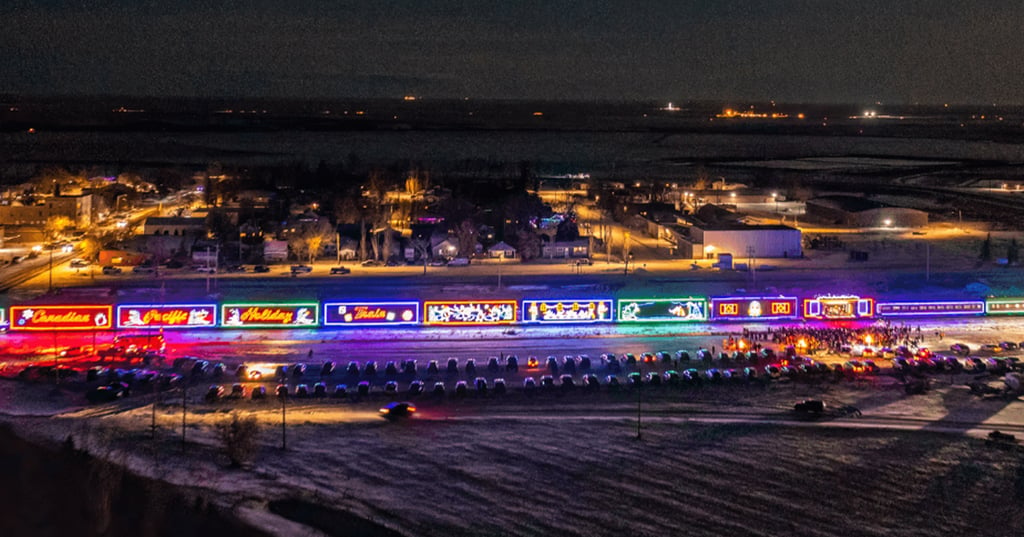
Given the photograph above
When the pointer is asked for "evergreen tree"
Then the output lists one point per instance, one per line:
(986, 249)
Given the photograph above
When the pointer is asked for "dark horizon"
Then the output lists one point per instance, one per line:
(912, 52)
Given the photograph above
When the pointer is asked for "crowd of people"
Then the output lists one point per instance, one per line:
(838, 339)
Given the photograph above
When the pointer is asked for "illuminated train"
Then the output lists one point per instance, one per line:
(453, 313)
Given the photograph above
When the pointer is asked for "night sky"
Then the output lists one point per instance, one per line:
(929, 51)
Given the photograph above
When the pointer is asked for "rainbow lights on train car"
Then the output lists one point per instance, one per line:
(488, 312)
(754, 308)
(469, 312)
(298, 315)
(60, 318)
(166, 316)
(837, 307)
(1001, 306)
(371, 313)
(675, 310)
(568, 311)
(930, 309)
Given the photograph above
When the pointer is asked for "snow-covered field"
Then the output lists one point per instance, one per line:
(723, 460)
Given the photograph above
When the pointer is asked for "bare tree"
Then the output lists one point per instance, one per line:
(422, 246)
(238, 437)
(315, 236)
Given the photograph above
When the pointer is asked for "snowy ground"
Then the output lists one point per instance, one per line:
(719, 461)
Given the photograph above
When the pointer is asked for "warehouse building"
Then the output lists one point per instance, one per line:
(861, 212)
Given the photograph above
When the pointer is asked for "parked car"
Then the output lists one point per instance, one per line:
(301, 269)
(260, 269)
(459, 262)
(214, 393)
(111, 270)
(960, 348)
(340, 270)
(143, 269)
(205, 269)
(79, 263)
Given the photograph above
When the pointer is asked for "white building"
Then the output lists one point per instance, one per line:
(743, 240)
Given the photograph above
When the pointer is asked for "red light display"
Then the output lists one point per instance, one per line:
(470, 312)
(61, 317)
(167, 316)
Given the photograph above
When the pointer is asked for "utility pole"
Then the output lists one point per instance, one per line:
(338, 246)
(207, 269)
(184, 411)
(927, 261)
(639, 387)
(751, 260)
(284, 428)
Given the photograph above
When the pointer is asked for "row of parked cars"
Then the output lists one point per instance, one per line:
(550, 383)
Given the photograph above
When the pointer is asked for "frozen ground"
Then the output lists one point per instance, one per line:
(727, 461)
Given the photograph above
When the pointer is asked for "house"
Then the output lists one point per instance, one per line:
(275, 251)
(501, 250)
(449, 248)
(579, 248)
